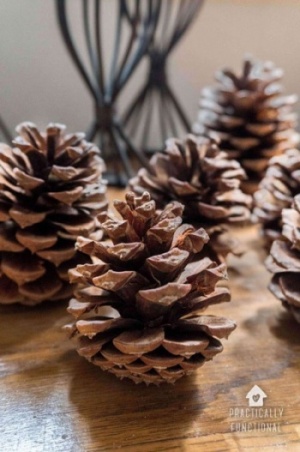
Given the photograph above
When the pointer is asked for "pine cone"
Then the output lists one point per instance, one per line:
(51, 191)
(250, 117)
(276, 192)
(201, 177)
(138, 307)
(284, 261)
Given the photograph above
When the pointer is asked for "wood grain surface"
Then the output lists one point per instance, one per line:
(53, 400)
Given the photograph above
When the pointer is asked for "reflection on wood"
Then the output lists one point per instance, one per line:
(53, 400)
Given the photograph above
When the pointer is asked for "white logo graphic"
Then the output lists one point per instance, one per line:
(256, 397)
(256, 418)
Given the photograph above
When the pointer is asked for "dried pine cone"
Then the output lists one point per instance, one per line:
(276, 192)
(200, 176)
(284, 261)
(138, 309)
(250, 117)
(51, 191)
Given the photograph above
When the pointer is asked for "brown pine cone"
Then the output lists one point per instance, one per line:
(276, 192)
(139, 308)
(51, 192)
(284, 261)
(196, 173)
(250, 117)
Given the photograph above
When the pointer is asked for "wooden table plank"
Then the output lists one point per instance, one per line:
(53, 400)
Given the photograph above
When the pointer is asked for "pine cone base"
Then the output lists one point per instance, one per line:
(135, 355)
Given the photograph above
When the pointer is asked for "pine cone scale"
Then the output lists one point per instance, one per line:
(8, 241)
(138, 342)
(290, 286)
(41, 289)
(185, 345)
(9, 292)
(112, 354)
(58, 254)
(32, 240)
(21, 271)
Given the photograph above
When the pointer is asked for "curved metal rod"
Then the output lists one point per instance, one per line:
(99, 69)
(178, 107)
(187, 17)
(64, 28)
(169, 113)
(137, 152)
(87, 34)
(163, 125)
(147, 122)
(174, 21)
(176, 24)
(165, 24)
(124, 60)
(122, 152)
(135, 104)
(112, 75)
(148, 29)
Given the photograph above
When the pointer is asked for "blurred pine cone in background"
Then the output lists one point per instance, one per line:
(250, 116)
(276, 192)
(196, 173)
(51, 191)
(138, 308)
(284, 261)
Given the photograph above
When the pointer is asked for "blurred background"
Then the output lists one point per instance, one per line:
(39, 82)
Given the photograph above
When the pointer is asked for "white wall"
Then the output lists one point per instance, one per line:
(39, 83)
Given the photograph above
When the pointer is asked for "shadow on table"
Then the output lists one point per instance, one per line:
(120, 413)
(259, 318)
(271, 340)
(280, 323)
(20, 324)
(286, 328)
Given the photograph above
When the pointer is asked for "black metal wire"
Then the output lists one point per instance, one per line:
(175, 18)
(105, 80)
(65, 31)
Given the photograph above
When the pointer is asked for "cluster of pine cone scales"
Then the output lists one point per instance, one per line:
(284, 260)
(196, 173)
(138, 307)
(276, 192)
(250, 117)
(51, 190)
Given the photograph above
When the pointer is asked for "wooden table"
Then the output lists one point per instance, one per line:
(53, 400)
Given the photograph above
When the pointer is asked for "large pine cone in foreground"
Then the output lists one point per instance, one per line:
(276, 192)
(51, 191)
(250, 117)
(197, 174)
(139, 308)
(284, 261)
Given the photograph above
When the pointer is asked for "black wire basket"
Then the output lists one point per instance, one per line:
(156, 113)
(105, 76)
